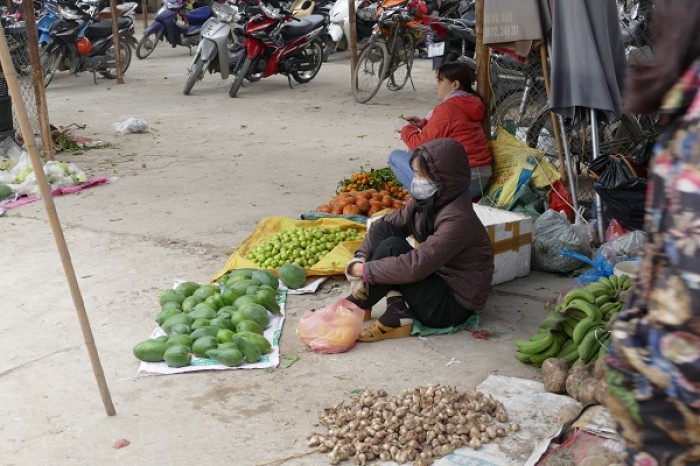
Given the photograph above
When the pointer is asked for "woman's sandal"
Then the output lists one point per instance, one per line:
(368, 314)
(376, 332)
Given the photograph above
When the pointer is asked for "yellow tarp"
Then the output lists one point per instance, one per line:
(334, 262)
(514, 163)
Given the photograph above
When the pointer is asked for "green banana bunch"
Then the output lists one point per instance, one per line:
(589, 347)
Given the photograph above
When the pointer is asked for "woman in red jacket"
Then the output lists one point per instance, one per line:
(459, 117)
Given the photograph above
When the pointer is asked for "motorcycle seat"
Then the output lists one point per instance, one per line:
(103, 28)
(295, 29)
(200, 14)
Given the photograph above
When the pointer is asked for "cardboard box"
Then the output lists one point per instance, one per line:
(511, 237)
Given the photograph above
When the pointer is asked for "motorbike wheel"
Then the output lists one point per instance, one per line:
(315, 49)
(147, 44)
(370, 72)
(194, 76)
(49, 65)
(240, 76)
(125, 53)
(328, 46)
(403, 63)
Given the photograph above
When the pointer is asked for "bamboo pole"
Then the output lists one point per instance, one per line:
(38, 78)
(50, 207)
(144, 11)
(555, 123)
(115, 36)
(483, 76)
(352, 17)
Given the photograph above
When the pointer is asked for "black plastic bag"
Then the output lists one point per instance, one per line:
(621, 189)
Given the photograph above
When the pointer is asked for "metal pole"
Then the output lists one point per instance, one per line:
(50, 207)
(483, 77)
(596, 153)
(38, 78)
(144, 11)
(353, 34)
(115, 36)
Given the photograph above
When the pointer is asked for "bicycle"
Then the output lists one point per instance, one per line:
(388, 55)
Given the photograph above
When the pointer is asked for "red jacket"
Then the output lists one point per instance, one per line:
(458, 118)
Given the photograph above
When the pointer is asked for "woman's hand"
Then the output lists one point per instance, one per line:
(415, 121)
(355, 269)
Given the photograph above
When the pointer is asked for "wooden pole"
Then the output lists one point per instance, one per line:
(38, 78)
(483, 76)
(50, 207)
(352, 17)
(555, 122)
(115, 36)
(144, 11)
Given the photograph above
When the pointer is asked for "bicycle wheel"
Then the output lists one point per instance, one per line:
(402, 63)
(370, 72)
(509, 110)
(624, 136)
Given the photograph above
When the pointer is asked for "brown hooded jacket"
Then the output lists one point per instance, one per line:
(459, 250)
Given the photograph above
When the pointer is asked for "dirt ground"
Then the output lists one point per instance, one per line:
(184, 196)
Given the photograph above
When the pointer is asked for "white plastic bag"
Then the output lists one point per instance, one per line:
(131, 125)
(552, 233)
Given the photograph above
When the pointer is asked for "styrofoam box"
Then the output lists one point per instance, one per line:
(511, 237)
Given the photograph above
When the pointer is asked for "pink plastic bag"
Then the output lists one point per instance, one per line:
(333, 328)
(614, 231)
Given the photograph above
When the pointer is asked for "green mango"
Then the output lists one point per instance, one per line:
(204, 291)
(221, 323)
(250, 350)
(187, 288)
(226, 312)
(265, 277)
(189, 303)
(227, 345)
(257, 313)
(204, 332)
(268, 299)
(216, 300)
(164, 314)
(249, 326)
(163, 338)
(180, 328)
(150, 350)
(239, 286)
(252, 289)
(292, 275)
(246, 299)
(260, 341)
(204, 344)
(203, 311)
(237, 317)
(177, 356)
(171, 305)
(227, 357)
(224, 335)
(246, 274)
(180, 339)
(230, 296)
(199, 323)
(171, 296)
(181, 318)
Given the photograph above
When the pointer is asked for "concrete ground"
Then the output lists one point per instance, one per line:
(187, 194)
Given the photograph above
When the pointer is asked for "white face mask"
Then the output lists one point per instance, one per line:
(422, 188)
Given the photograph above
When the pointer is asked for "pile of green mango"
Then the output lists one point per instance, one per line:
(223, 321)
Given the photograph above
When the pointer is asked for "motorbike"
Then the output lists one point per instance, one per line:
(166, 27)
(80, 41)
(215, 52)
(47, 17)
(339, 29)
(278, 43)
(453, 38)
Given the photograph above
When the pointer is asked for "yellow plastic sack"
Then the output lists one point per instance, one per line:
(332, 264)
(512, 162)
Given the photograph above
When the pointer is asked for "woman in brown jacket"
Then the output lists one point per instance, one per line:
(446, 279)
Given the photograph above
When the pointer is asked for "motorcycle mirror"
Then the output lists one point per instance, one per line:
(634, 12)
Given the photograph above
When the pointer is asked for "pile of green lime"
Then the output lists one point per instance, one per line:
(301, 246)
